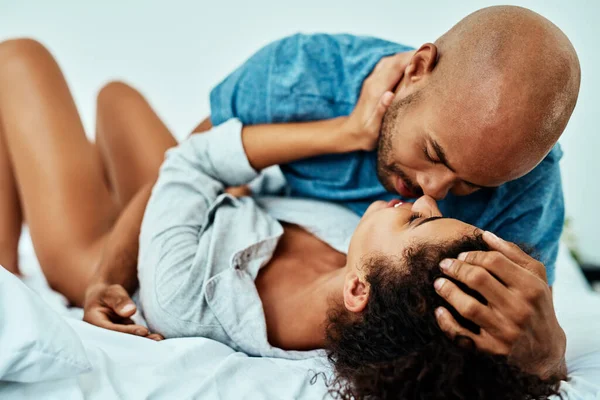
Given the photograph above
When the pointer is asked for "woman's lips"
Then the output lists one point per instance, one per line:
(403, 190)
(394, 202)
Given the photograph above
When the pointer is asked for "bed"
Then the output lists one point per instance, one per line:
(62, 357)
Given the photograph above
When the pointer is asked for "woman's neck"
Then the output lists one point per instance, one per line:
(320, 297)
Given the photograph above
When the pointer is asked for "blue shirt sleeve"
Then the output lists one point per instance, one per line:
(299, 78)
(244, 93)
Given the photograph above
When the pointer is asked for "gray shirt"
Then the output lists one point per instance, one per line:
(201, 249)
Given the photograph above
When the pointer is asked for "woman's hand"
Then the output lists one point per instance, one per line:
(110, 307)
(361, 129)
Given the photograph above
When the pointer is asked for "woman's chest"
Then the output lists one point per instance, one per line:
(285, 282)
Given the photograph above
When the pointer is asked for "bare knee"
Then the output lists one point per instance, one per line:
(112, 103)
(115, 92)
(23, 50)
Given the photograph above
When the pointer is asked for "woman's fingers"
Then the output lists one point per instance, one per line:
(155, 336)
(117, 298)
(100, 316)
(376, 118)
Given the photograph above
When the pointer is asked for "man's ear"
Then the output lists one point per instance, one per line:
(356, 293)
(420, 66)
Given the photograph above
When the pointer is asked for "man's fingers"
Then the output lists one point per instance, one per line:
(449, 326)
(477, 278)
(494, 262)
(117, 298)
(483, 341)
(510, 250)
(515, 254)
(467, 306)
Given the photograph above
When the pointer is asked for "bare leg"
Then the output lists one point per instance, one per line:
(11, 218)
(132, 139)
(58, 172)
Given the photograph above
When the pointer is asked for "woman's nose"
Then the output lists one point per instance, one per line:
(426, 206)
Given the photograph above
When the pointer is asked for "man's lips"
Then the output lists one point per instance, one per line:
(403, 190)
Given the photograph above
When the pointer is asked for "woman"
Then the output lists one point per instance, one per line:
(270, 276)
(372, 310)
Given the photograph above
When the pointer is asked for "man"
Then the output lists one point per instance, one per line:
(472, 120)
(476, 114)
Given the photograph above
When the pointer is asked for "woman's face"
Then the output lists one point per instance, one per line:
(387, 228)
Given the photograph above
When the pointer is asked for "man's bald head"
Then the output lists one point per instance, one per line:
(520, 64)
(496, 92)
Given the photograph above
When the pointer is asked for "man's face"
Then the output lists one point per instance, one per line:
(431, 145)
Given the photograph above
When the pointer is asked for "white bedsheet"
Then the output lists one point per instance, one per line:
(129, 367)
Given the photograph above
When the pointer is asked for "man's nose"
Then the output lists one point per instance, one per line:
(436, 184)
(426, 206)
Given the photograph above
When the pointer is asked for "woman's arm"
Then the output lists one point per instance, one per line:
(275, 144)
(108, 303)
(107, 299)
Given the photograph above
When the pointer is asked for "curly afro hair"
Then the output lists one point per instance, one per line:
(394, 349)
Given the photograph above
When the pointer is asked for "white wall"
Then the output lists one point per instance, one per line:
(176, 51)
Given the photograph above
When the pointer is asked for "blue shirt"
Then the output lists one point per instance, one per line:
(313, 77)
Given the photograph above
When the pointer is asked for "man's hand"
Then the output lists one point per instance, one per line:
(519, 320)
(364, 124)
(110, 307)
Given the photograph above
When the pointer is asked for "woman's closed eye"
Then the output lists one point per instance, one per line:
(414, 216)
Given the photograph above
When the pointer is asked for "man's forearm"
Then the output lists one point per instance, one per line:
(119, 261)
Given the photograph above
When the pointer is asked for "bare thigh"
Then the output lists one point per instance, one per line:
(57, 171)
(131, 138)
